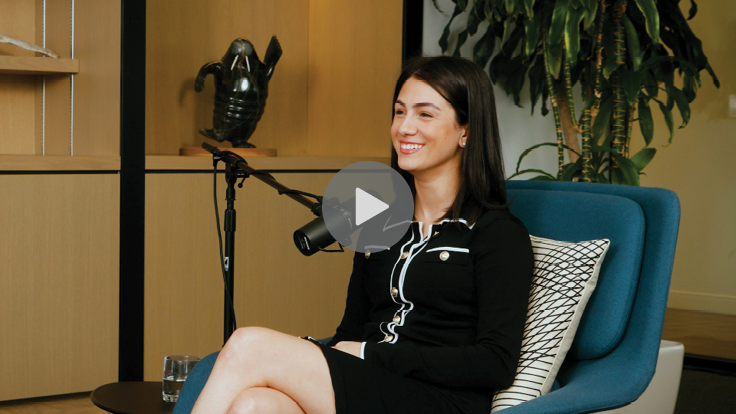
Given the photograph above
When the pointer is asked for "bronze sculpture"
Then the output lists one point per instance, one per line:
(241, 83)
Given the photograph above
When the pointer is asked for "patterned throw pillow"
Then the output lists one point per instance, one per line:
(565, 275)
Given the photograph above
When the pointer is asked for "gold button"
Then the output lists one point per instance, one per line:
(444, 256)
(367, 254)
(394, 292)
(388, 338)
(397, 319)
(404, 255)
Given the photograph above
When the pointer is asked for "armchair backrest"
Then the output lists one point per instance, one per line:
(629, 304)
(574, 216)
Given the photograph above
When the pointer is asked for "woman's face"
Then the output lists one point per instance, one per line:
(425, 132)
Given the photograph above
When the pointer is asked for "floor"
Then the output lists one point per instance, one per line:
(701, 333)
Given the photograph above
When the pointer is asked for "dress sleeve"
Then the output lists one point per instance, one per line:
(357, 306)
(503, 262)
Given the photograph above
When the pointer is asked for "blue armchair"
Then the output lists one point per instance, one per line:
(614, 354)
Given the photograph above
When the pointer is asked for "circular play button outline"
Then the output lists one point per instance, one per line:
(367, 206)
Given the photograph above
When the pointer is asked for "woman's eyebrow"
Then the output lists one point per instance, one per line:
(419, 104)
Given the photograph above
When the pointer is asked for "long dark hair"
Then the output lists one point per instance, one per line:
(468, 89)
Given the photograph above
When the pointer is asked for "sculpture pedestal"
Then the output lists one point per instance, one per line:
(243, 152)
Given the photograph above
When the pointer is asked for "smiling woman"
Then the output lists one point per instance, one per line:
(435, 322)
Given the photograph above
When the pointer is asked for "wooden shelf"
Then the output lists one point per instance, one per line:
(173, 162)
(58, 163)
(15, 65)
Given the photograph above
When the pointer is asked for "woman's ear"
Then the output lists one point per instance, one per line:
(463, 137)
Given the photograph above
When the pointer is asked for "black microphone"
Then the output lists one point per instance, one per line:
(315, 235)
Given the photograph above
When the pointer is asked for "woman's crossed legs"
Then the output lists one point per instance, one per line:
(262, 371)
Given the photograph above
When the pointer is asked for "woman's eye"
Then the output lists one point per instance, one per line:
(399, 111)
(425, 115)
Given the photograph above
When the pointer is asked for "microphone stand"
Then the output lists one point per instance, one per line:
(236, 167)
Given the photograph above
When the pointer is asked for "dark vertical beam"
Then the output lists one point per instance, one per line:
(413, 28)
(132, 188)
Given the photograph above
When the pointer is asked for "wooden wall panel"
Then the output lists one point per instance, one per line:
(354, 60)
(59, 284)
(17, 93)
(97, 86)
(275, 286)
(58, 87)
(184, 35)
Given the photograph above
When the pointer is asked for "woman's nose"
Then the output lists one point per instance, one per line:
(407, 127)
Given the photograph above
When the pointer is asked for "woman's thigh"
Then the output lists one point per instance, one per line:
(260, 357)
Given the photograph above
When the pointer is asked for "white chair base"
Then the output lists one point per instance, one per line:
(660, 396)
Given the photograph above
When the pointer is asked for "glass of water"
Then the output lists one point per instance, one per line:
(176, 369)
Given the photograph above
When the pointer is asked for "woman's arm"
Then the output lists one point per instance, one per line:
(357, 306)
(503, 268)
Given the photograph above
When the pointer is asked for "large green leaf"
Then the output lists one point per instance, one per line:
(461, 38)
(603, 119)
(693, 10)
(531, 27)
(483, 49)
(446, 31)
(572, 33)
(646, 123)
(642, 158)
(533, 147)
(649, 10)
(591, 11)
(681, 101)
(553, 58)
(533, 170)
(625, 173)
(570, 170)
(510, 6)
(557, 24)
(668, 119)
(632, 43)
(632, 85)
(529, 7)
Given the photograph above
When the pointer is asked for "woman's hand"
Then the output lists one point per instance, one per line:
(349, 347)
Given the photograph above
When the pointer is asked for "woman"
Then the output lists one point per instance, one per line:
(433, 324)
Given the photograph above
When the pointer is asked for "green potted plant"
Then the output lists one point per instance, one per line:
(625, 55)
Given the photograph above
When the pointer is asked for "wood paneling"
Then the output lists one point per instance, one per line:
(184, 35)
(58, 163)
(59, 284)
(17, 93)
(58, 87)
(275, 286)
(97, 86)
(354, 60)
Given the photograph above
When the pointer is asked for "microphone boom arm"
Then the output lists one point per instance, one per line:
(238, 163)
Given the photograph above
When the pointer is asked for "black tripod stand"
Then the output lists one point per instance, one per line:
(237, 168)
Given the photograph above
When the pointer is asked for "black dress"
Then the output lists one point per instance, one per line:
(441, 319)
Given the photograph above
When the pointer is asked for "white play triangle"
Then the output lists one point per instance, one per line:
(367, 206)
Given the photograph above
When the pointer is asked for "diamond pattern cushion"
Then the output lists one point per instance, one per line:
(565, 275)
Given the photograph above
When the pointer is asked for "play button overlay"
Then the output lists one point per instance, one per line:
(367, 207)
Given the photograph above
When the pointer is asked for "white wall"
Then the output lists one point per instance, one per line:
(699, 166)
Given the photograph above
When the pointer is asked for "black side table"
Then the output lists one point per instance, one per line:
(135, 397)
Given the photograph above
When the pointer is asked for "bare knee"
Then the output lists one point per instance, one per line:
(245, 341)
(256, 401)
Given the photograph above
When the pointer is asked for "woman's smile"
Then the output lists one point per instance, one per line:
(409, 147)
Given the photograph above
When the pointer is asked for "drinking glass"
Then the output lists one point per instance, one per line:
(176, 369)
